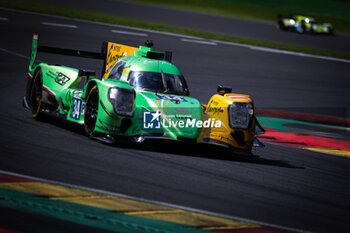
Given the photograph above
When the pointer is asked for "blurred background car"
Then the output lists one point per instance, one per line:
(304, 24)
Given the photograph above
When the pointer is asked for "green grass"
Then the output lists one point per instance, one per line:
(98, 17)
(335, 12)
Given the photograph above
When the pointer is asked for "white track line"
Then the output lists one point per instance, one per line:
(129, 33)
(4, 19)
(59, 25)
(151, 201)
(14, 53)
(199, 41)
(279, 51)
(297, 54)
(18, 54)
(184, 36)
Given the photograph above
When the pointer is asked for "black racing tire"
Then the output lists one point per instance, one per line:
(331, 32)
(36, 94)
(281, 25)
(312, 31)
(303, 27)
(91, 111)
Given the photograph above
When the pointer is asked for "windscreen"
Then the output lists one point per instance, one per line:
(158, 82)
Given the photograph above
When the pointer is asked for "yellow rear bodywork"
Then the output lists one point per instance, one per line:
(217, 108)
(115, 52)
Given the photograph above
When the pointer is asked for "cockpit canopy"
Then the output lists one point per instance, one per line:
(158, 82)
(150, 75)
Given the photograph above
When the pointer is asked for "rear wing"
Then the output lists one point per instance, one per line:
(110, 52)
(62, 51)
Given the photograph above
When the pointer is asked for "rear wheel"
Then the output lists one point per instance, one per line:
(331, 31)
(281, 25)
(91, 111)
(35, 96)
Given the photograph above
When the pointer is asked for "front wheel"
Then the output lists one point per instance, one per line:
(303, 28)
(35, 96)
(91, 111)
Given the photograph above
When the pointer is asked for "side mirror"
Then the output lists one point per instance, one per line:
(223, 89)
(87, 72)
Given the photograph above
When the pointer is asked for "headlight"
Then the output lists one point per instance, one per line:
(240, 114)
(291, 21)
(123, 100)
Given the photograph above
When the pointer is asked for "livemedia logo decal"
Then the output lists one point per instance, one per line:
(151, 120)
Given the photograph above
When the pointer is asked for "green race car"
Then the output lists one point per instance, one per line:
(304, 24)
(140, 95)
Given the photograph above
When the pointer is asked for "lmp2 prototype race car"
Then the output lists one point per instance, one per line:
(304, 24)
(139, 95)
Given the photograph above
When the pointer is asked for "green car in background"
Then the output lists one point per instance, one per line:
(140, 95)
(304, 24)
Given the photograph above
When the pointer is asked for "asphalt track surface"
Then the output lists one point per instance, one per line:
(207, 22)
(286, 186)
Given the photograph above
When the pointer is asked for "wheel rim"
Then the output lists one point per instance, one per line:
(91, 113)
(36, 94)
